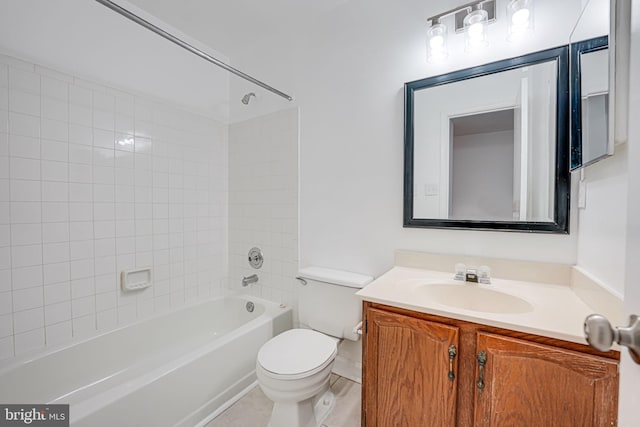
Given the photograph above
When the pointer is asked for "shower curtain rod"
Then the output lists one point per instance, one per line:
(149, 26)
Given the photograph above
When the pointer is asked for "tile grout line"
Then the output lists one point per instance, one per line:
(44, 331)
(73, 329)
(68, 216)
(13, 323)
(115, 210)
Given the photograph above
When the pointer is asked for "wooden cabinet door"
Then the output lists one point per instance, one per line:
(529, 384)
(406, 373)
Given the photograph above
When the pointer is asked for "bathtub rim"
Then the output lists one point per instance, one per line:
(271, 308)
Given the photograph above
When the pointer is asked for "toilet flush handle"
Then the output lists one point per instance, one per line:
(357, 330)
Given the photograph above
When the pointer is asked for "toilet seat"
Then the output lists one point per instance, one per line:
(296, 353)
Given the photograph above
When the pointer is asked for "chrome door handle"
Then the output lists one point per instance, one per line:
(601, 335)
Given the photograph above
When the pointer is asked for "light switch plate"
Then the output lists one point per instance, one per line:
(431, 189)
(582, 195)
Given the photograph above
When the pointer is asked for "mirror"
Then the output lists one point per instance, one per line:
(599, 61)
(487, 147)
(589, 62)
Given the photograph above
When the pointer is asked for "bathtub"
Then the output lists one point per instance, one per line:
(174, 369)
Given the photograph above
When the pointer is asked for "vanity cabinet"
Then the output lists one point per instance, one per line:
(406, 387)
(424, 370)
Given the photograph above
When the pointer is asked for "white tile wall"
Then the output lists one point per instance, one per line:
(94, 180)
(263, 203)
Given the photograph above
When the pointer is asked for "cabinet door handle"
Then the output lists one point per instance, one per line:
(452, 355)
(482, 360)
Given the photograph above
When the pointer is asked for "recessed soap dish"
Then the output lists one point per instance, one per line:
(135, 279)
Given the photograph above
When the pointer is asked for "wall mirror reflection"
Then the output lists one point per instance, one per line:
(590, 140)
(599, 80)
(487, 147)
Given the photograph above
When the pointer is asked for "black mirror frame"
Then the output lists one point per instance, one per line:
(562, 194)
(577, 49)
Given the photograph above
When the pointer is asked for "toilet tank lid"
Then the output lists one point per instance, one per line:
(336, 277)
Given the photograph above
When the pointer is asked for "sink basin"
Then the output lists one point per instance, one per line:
(472, 297)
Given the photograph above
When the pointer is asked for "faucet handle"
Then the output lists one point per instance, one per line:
(484, 274)
(461, 271)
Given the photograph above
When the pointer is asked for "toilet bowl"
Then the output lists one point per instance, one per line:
(294, 368)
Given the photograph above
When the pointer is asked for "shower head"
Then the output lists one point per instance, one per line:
(247, 98)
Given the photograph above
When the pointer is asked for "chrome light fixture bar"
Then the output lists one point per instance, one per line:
(473, 20)
(162, 33)
(461, 12)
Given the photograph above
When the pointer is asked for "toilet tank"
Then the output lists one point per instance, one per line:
(327, 303)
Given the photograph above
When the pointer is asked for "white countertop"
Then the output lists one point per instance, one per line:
(556, 311)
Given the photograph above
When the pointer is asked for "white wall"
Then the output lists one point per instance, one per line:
(95, 180)
(263, 203)
(602, 225)
(347, 74)
(594, 20)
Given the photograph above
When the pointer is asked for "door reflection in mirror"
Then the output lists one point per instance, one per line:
(482, 157)
(490, 162)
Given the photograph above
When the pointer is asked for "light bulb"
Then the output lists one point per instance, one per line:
(436, 42)
(520, 18)
(476, 31)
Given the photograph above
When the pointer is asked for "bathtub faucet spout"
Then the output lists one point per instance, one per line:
(249, 280)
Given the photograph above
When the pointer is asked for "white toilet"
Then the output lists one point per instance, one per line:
(294, 368)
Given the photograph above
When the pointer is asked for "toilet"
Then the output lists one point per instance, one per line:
(294, 367)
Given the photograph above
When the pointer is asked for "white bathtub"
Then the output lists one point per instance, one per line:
(170, 370)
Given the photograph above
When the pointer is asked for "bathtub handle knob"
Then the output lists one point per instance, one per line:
(255, 258)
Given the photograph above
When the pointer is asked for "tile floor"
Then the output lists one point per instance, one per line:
(254, 409)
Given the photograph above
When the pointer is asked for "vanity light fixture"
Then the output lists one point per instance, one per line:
(473, 20)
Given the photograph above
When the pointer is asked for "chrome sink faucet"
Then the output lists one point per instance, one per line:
(481, 274)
